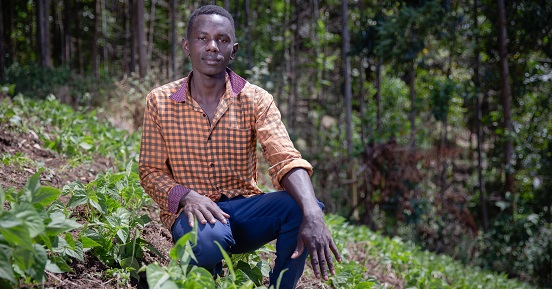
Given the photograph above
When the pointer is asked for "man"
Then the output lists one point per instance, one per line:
(198, 161)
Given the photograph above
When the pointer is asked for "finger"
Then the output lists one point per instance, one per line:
(329, 260)
(190, 218)
(322, 264)
(208, 215)
(333, 247)
(200, 217)
(221, 215)
(314, 263)
(298, 249)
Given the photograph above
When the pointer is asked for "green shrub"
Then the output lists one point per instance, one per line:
(35, 234)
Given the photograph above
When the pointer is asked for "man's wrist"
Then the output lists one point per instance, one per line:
(176, 194)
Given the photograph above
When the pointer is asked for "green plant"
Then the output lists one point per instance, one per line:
(79, 136)
(112, 206)
(35, 234)
(181, 274)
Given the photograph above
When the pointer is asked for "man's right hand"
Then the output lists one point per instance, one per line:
(202, 208)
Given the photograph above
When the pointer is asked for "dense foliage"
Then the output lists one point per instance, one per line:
(427, 100)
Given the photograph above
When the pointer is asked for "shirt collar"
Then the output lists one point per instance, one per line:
(236, 82)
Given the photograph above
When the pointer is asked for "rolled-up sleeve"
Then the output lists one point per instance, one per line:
(277, 147)
(154, 167)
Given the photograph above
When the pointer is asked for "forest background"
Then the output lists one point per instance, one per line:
(428, 120)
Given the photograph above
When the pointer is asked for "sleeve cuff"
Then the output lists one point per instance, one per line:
(297, 163)
(175, 195)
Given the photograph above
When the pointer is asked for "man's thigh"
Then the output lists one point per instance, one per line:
(258, 220)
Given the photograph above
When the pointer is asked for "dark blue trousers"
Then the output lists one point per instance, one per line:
(253, 222)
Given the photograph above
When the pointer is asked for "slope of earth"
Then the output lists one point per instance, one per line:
(23, 153)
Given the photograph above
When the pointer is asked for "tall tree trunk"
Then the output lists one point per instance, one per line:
(8, 11)
(247, 35)
(67, 51)
(291, 75)
(78, 38)
(362, 98)
(43, 35)
(378, 96)
(477, 84)
(174, 42)
(346, 76)
(150, 33)
(2, 40)
(412, 114)
(104, 36)
(141, 37)
(95, 57)
(132, 42)
(227, 5)
(506, 96)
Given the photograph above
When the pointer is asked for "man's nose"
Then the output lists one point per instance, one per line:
(212, 46)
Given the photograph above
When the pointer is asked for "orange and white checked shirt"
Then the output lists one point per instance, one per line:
(182, 150)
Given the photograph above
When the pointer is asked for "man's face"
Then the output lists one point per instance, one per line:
(211, 44)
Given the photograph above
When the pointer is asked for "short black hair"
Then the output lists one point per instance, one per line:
(206, 10)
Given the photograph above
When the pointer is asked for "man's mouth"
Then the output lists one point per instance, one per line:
(211, 60)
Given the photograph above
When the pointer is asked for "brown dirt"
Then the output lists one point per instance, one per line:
(91, 272)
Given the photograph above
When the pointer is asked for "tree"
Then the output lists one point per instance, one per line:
(67, 36)
(174, 42)
(506, 97)
(347, 91)
(43, 34)
(140, 37)
(477, 84)
(95, 57)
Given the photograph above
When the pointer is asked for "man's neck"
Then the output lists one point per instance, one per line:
(207, 89)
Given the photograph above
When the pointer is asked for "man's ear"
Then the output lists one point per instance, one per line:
(235, 49)
(185, 46)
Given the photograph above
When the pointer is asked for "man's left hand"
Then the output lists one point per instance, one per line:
(314, 235)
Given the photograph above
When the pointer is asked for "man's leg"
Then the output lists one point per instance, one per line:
(206, 251)
(258, 220)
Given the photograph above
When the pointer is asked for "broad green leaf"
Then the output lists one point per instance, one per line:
(88, 243)
(199, 278)
(131, 262)
(36, 271)
(123, 233)
(182, 249)
(53, 267)
(33, 183)
(45, 195)
(68, 246)
(6, 270)
(264, 267)
(30, 217)
(86, 146)
(59, 224)
(24, 257)
(78, 197)
(143, 220)
(14, 230)
(254, 274)
(158, 278)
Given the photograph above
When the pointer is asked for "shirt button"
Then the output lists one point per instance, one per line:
(204, 115)
(212, 165)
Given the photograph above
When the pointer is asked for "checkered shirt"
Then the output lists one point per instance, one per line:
(182, 150)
